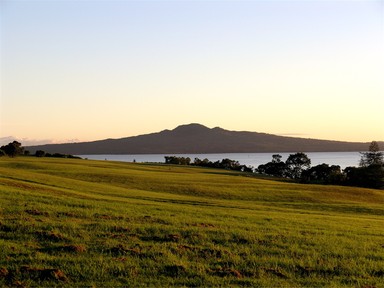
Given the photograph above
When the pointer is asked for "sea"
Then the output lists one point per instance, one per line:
(343, 159)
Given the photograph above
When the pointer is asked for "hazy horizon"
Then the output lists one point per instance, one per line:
(75, 71)
(36, 142)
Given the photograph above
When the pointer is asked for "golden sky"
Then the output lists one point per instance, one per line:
(90, 70)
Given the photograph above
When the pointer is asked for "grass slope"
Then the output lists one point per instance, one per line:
(67, 222)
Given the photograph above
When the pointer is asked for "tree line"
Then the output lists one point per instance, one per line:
(223, 164)
(370, 172)
(14, 149)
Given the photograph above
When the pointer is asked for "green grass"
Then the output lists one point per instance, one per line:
(83, 223)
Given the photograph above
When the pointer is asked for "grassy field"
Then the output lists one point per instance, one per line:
(67, 222)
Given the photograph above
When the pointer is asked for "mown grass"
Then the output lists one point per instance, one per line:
(67, 222)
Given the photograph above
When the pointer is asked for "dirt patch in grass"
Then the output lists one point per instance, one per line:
(79, 248)
(240, 240)
(150, 219)
(276, 272)
(120, 229)
(121, 250)
(25, 272)
(181, 249)
(36, 212)
(3, 272)
(225, 272)
(50, 236)
(173, 237)
(75, 249)
(208, 253)
(67, 214)
(204, 225)
(43, 274)
(174, 270)
(166, 238)
(186, 248)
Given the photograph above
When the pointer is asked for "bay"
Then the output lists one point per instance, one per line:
(343, 159)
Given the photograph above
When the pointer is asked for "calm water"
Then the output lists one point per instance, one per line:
(344, 159)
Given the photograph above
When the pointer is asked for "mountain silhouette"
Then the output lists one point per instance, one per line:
(196, 138)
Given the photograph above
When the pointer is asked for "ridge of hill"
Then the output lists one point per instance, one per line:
(197, 138)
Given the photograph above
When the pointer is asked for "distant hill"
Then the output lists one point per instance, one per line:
(196, 138)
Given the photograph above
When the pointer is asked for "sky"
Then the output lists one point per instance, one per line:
(87, 70)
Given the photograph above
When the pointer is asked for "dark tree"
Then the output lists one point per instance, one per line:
(371, 171)
(276, 158)
(13, 149)
(203, 163)
(223, 164)
(274, 168)
(277, 169)
(373, 156)
(323, 174)
(171, 160)
(371, 176)
(296, 163)
(177, 160)
(248, 169)
(39, 153)
(230, 164)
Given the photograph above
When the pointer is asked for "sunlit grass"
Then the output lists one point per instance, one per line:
(67, 222)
